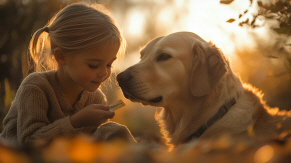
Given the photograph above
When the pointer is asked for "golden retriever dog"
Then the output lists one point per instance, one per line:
(200, 95)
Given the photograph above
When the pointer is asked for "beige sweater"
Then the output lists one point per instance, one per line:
(40, 110)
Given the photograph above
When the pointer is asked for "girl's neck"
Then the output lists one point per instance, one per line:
(70, 90)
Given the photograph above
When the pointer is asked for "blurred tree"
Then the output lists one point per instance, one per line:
(279, 10)
(19, 20)
(269, 68)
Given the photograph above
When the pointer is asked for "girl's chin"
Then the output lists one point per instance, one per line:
(92, 89)
(93, 86)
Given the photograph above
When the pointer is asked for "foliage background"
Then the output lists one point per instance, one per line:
(248, 32)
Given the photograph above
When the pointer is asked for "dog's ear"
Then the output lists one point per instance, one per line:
(209, 66)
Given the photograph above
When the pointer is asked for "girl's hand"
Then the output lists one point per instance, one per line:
(91, 115)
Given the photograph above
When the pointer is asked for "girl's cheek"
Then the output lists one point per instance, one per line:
(87, 76)
(108, 73)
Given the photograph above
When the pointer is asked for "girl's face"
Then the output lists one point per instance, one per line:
(89, 68)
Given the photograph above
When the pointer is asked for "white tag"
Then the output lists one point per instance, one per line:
(118, 104)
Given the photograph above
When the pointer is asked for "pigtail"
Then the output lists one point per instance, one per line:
(34, 48)
(40, 56)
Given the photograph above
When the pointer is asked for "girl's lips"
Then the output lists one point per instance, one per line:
(96, 82)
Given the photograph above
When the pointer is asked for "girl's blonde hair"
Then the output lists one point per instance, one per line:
(74, 28)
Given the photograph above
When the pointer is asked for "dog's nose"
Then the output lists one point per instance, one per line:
(124, 76)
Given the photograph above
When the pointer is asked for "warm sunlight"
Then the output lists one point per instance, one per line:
(205, 18)
(135, 22)
(208, 19)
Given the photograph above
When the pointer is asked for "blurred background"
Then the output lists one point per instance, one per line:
(253, 34)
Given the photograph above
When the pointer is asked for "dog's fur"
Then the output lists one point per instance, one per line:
(114, 131)
(191, 85)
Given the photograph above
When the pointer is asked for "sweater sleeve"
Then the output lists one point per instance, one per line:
(33, 122)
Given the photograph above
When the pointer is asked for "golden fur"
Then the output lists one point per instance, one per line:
(191, 79)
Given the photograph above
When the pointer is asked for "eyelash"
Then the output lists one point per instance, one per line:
(95, 67)
(92, 67)
(110, 66)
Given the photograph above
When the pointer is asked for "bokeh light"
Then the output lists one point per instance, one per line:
(264, 154)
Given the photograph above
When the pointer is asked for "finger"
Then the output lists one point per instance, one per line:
(102, 107)
(105, 113)
(109, 114)
(106, 108)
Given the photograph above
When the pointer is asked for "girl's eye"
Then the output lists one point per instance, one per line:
(109, 65)
(93, 67)
(163, 57)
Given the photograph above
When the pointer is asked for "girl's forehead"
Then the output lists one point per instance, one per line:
(102, 51)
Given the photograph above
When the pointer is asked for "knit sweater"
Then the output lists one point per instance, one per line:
(41, 111)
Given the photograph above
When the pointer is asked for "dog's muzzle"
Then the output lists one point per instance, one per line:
(126, 82)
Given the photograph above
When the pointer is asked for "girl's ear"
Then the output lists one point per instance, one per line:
(59, 56)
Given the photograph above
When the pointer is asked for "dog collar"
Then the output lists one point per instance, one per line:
(221, 112)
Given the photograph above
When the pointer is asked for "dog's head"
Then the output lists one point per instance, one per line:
(175, 66)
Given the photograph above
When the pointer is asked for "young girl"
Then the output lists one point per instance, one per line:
(82, 42)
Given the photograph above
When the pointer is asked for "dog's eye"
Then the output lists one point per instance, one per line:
(163, 57)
